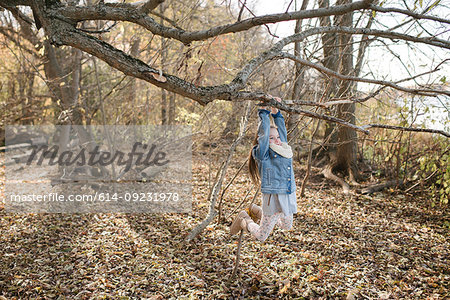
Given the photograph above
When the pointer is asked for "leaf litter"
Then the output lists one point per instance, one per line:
(360, 247)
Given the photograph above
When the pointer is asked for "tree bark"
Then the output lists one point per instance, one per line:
(164, 113)
(330, 61)
(340, 142)
(292, 122)
(347, 138)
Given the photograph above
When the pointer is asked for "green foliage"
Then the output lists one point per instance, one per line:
(420, 158)
(436, 169)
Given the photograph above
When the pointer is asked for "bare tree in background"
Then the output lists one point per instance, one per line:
(338, 56)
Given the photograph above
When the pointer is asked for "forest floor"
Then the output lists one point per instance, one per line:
(385, 246)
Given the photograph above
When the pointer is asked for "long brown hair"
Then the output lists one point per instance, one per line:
(252, 166)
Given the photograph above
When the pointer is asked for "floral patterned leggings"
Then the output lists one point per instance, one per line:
(267, 223)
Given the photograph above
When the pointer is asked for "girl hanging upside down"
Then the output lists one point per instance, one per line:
(270, 162)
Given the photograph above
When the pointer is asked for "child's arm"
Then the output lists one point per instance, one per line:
(261, 151)
(279, 121)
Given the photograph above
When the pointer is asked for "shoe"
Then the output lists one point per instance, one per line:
(255, 212)
(240, 223)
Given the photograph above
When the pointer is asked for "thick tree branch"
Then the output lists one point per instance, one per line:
(268, 100)
(67, 35)
(11, 3)
(203, 95)
(127, 12)
(62, 32)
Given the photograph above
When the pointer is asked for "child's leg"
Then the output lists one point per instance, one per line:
(262, 231)
(286, 222)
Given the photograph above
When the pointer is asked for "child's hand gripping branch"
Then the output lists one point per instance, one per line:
(274, 110)
(270, 162)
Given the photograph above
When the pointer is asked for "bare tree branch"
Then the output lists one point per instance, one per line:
(147, 5)
(269, 100)
(245, 6)
(408, 12)
(11, 3)
(430, 92)
(127, 12)
(60, 22)
(444, 133)
(364, 43)
(170, 21)
(9, 34)
(215, 190)
(62, 33)
(433, 41)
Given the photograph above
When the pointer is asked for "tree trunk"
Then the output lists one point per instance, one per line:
(132, 87)
(232, 122)
(330, 60)
(172, 105)
(341, 141)
(292, 122)
(164, 118)
(347, 138)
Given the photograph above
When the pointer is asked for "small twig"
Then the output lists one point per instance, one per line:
(416, 184)
(238, 255)
(408, 12)
(289, 6)
(429, 92)
(241, 11)
(102, 109)
(148, 5)
(268, 29)
(243, 201)
(99, 31)
(214, 192)
(227, 186)
(308, 170)
(171, 22)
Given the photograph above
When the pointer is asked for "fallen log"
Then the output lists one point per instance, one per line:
(381, 186)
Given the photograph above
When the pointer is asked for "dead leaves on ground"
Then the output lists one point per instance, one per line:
(350, 248)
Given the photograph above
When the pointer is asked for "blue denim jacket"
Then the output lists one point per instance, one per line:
(276, 172)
